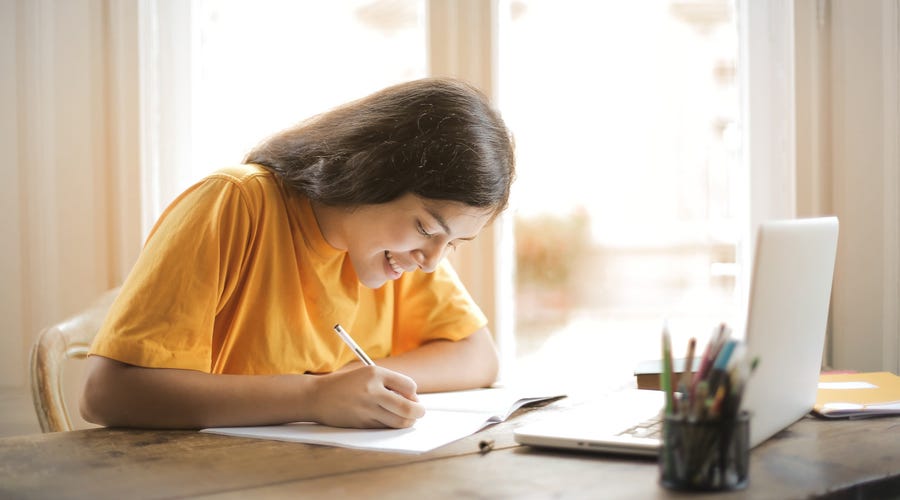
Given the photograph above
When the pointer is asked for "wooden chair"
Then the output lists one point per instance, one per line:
(69, 339)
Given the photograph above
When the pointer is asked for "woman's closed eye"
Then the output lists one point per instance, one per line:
(424, 232)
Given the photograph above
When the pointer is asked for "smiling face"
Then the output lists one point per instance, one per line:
(408, 233)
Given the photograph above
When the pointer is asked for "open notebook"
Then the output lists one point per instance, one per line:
(449, 416)
(858, 395)
(787, 314)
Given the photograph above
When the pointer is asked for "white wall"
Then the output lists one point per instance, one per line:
(822, 113)
(863, 144)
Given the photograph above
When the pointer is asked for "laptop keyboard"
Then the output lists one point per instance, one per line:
(650, 428)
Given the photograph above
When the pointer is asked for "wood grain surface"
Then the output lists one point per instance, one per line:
(812, 458)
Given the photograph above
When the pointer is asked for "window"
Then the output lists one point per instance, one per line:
(625, 206)
(630, 201)
(259, 67)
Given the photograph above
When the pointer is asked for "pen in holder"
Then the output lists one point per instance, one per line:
(705, 434)
(705, 455)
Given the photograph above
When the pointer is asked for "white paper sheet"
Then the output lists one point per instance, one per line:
(449, 416)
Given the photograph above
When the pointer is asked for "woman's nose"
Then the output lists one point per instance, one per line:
(428, 258)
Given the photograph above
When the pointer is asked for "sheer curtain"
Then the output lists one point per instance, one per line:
(70, 196)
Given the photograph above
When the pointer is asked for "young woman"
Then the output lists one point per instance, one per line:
(226, 318)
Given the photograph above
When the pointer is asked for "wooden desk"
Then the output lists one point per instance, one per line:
(812, 458)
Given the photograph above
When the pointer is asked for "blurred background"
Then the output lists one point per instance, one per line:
(651, 139)
(626, 208)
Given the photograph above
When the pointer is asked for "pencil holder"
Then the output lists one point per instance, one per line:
(705, 455)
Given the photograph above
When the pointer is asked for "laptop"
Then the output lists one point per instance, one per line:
(787, 312)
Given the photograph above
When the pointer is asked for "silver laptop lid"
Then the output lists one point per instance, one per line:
(787, 318)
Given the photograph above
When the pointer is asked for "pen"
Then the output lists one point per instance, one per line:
(684, 385)
(667, 375)
(666, 383)
(720, 365)
(698, 403)
(719, 337)
(353, 346)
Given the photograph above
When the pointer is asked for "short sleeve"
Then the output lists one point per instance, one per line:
(431, 306)
(190, 264)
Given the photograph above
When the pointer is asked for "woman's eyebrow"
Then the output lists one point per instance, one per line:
(443, 223)
(439, 218)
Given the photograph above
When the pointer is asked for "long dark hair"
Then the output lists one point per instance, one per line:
(437, 138)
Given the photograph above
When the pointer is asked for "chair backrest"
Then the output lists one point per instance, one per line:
(69, 339)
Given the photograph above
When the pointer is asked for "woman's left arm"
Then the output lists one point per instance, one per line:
(446, 365)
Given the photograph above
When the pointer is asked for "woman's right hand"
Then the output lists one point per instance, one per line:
(118, 394)
(366, 397)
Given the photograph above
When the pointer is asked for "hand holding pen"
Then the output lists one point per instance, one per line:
(369, 397)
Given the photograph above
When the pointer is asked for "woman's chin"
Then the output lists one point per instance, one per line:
(373, 282)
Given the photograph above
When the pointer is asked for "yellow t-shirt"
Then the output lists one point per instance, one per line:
(236, 278)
